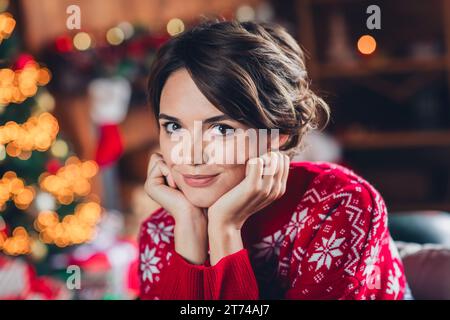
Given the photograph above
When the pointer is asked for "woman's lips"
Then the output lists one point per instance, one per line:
(198, 181)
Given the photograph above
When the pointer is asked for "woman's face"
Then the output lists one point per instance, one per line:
(206, 160)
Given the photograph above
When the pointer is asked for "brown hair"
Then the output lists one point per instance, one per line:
(253, 72)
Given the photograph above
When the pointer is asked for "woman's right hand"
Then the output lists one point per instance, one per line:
(191, 230)
(161, 187)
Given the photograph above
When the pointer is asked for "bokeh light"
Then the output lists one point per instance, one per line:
(367, 44)
(175, 26)
(115, 36)
(14, 189)
(82, 41)
(70, 181)
(37, 133)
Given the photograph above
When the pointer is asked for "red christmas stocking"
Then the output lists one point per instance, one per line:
(110, 98)
(110, 145)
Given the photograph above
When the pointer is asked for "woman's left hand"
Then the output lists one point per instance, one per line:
(265, 181)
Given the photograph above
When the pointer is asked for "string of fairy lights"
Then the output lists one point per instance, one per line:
(70, 182)
(114, 36)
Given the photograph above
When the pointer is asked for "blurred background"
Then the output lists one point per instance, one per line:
(76, 132)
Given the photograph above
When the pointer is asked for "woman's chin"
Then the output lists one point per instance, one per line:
(201, 199)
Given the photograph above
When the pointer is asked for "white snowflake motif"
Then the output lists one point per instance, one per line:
(160, 232)
(328, 250)
(371, 260)
(269, 246)
(371, 270)
(393, 285)
(297, 223)
(149, 264)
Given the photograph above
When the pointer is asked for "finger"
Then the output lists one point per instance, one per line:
(270, 163)
(287, 163)
(152, 164)
(166, 172)
(280, 169)
(278, 179)
(271, 167)
(254, 170)
(158, 169)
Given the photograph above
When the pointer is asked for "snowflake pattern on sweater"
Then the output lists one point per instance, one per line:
(325, 238)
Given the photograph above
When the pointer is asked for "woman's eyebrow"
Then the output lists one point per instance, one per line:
(209, 120)
(217, 118)
(165, 116)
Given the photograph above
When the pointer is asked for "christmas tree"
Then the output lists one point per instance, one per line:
(46, 203)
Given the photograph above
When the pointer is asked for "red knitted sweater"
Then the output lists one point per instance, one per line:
(325, 238)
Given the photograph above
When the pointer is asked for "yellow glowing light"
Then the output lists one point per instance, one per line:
(49, 123)
(28, 91)
(35, 134)
(9, 175)
(42, 141)
(367, 44)
(115, 36)
(81, 187)
(127, 28)
(47, 219)
(44, 76)
(2, 152)
(12, 150)
(82, 41)
(6, 77)
(72, 160)
(24, 197)
(7, 25)
(21, 84)
(16, 185)
(20, 232)
(38, 250)
(46, 101)
(59, 148)
(89, 169)
(24, 155)
(11, 129)
(175, 26)
(245, 13)
(89, 213)
(65, 196)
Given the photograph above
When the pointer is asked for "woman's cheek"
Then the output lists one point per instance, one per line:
(233, 175)
(173, 151)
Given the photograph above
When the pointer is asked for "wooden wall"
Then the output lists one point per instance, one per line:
(44, 20)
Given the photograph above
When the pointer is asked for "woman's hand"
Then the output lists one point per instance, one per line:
(161, 187)
(265, 181)
(191, 238)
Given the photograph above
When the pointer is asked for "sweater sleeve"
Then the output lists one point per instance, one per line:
(336, 262)
(232, 278)
(166, 275)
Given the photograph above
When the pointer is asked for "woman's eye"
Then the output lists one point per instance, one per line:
(222, 129)
(171, 127)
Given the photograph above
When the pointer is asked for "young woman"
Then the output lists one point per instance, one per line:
(262, 228)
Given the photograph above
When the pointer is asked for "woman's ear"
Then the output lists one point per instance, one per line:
(282, 138)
